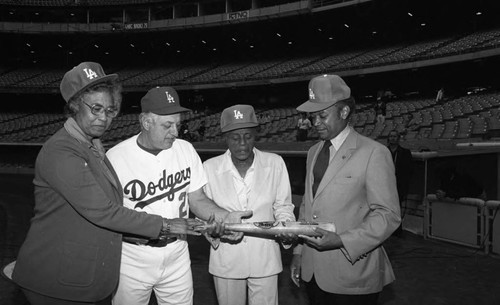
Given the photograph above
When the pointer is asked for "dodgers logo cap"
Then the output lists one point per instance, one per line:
(324, 92)
(81, 77)
(237, 117)
(162, 101)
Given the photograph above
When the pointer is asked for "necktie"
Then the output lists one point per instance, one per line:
(321, 165)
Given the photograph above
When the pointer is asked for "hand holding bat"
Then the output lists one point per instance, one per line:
(273, 228)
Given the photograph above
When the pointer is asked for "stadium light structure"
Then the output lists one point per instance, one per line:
(318, 26)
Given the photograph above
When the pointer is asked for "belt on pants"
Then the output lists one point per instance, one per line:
(157, 243)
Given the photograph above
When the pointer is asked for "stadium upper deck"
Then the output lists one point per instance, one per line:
(230, 72)
(84, 3)
(397, 45)
(127, 14)
(367, 37)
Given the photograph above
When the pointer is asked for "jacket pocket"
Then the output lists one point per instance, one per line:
(346, 180)
(78, 264)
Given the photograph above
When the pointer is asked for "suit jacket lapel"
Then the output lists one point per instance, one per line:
(339, 160)
(310, 166)
(111, 175)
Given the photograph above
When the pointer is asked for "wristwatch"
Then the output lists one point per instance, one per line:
(165, 229)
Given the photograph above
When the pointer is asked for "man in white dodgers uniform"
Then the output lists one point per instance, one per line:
(161, 175)
(245, 178)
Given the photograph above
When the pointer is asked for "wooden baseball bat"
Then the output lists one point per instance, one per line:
(275, 227)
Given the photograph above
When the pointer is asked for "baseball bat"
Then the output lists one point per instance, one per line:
(276, 227)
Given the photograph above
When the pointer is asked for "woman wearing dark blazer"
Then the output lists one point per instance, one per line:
(72, 251)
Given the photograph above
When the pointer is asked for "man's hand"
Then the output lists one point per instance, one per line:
(213, 231)
(327, 241)
(235, 217)
(295, 269)
(179, 226)
(287, 238)
(216, 228)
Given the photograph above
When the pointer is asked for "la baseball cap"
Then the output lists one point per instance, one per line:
(237, 117)
(324, 92)
(84, 75)
(162, 101)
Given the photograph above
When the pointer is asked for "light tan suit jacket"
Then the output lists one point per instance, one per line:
(358, 193)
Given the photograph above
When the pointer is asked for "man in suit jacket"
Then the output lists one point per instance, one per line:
(403, 163)
(357, 192)
(245, 178)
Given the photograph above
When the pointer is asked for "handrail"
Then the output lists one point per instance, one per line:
(464, 200)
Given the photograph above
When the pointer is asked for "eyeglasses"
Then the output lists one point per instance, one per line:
(97, 109)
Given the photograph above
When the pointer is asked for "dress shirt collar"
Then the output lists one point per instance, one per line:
(340, 138)
(229, 165)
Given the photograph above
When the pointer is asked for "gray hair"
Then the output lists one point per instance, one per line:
(112, 87)
(143, 116)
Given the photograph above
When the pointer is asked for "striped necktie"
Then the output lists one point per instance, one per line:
(321, 165)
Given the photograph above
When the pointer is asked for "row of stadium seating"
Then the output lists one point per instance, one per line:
(422, 122)
(257, 70)
(65, 3)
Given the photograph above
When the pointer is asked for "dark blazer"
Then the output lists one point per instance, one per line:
(358, 194)
(73, 247)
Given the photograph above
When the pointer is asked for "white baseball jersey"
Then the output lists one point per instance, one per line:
(156, 184)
